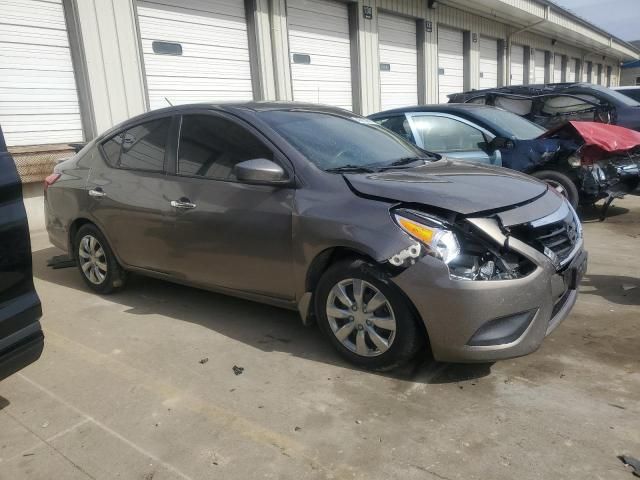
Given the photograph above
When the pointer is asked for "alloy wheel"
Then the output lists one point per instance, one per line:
(361, 317)
(92, 259)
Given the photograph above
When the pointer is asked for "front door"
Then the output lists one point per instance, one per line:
(227, 233)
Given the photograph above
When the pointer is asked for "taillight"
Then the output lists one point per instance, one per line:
(50, 180)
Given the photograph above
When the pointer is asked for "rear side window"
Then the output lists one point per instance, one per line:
(139, 148)
(211, 146)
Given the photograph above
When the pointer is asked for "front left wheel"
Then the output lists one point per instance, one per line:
(97, 264)
(366, 317)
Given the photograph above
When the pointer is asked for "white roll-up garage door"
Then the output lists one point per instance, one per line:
(540, 67)
(38, 95)
(557, 68)
(398, 61)
(573, 70)
(195, 51)
(450, 62)
(320, 52)
(488, 62)
(517, 64)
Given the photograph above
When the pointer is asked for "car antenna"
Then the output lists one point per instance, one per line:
(171, 104)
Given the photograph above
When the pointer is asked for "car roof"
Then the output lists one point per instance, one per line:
(230, 107)
(442, 107)
(628, 87)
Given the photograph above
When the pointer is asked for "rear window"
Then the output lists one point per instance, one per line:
(139, 148)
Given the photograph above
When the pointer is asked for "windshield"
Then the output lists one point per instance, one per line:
(616, 96)
(514, 125)
(333, 141)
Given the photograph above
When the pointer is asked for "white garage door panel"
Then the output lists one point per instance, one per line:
(557, 68)
(488, 62)
(320, 29)
(451, 60)
(573, 71)
(517, 65)
(539, 68)
(38, 97)
(214, 65)
(397, 47)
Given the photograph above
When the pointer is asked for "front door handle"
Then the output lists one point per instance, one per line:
(97, 193)
(183, 204)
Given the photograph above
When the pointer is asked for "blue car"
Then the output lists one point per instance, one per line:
(490, 135)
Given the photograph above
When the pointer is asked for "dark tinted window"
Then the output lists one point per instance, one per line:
(143, 146)
(112, 149)
(211, 146)
(140, 148)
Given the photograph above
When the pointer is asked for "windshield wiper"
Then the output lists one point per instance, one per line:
(351, 169)
(404, 162)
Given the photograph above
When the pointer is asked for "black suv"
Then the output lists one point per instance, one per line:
(21, 338)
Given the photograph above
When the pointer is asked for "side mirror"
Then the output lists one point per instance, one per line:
(501, 143)
(259, 171)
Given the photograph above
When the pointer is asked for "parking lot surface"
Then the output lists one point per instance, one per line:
(142, 385)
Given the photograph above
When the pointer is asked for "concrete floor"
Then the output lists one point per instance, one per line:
(120, 391)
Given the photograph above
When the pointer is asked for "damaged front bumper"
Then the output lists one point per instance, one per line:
(482, 321)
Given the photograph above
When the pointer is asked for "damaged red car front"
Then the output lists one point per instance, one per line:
(609, 155)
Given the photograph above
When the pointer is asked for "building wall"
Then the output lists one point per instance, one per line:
(109, 70)
(630, 76)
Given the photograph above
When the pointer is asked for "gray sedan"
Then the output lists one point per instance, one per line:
(316, 209)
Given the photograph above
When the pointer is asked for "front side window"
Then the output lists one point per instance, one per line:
(139, 148)
(211, 146)
(443, 134)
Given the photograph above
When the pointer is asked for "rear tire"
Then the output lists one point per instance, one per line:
(381, 337)
(563, 184)
(97, 264)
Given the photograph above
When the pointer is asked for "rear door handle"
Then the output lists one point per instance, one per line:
(183, 204)
(97, 193)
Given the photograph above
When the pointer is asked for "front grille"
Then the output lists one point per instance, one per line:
(556, 235)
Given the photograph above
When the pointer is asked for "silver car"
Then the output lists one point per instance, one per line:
(388, 248)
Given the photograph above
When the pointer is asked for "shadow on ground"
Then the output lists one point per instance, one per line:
(613, 288)
(260, 326)
(3, 403)
(592, 213)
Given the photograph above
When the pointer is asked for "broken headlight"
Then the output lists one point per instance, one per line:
(435, 237)
(467, 256)
(479, 261)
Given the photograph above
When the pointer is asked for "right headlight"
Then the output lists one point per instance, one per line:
(439, 241)
(467, 256)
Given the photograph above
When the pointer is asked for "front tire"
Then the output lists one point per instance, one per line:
(97, 264)
(366, 317)
(560, 182)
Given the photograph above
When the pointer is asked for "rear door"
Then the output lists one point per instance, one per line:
(452, 136)
(20, 311)
(127, 193)
(227, 233)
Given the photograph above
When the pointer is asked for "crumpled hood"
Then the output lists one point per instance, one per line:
(461, 187)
